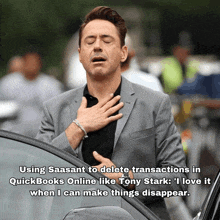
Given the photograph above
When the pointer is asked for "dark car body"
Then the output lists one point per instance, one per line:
(36, 182)
(210, 209)
(39, 181)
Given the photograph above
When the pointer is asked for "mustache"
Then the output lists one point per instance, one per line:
(100, 55)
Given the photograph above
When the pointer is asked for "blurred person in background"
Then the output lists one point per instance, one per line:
(177, 68)
(15, 64)
(9, 108)
(75, 74)
(130, 70)
(29, 88)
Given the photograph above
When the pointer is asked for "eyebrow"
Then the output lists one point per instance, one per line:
(105, 35)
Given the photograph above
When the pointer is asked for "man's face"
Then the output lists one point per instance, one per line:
(100, 51)
(32, 64)
(181, 54)
(16, 65)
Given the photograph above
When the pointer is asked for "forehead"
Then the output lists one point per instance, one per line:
(32, 56)
(100, 27)
(16, 61)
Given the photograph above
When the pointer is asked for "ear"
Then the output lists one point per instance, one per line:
(124, 54)
(79, 50)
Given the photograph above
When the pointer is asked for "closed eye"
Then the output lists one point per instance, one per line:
(90, 40)
(107, 39)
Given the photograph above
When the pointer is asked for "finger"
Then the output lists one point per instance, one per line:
(107, 99)
(114, 118)
(98, 167)
(114, 109)
(98, 157)
(111, 102)
(84, 102)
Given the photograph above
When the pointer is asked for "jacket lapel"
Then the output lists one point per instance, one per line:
(128, 98)
(75, 103)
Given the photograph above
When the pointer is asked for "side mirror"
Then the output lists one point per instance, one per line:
(101, 213)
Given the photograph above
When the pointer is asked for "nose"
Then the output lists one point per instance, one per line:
(98, 46)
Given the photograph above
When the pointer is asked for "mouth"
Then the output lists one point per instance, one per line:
(97, 59)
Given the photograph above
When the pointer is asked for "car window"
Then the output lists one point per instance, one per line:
(36, 184)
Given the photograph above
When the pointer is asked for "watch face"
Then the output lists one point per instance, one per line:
(125, 176)
(124, 183)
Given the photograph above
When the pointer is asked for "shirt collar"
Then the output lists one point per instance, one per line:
(87, 94)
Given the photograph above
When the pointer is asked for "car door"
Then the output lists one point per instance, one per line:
(211, 206)
(39, 181)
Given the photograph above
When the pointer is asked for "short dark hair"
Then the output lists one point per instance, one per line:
(105, 13)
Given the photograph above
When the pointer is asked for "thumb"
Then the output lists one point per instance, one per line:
(98, 157)
(84, 102)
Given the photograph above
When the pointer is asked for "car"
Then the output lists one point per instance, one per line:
(210, 210)
(39, 181)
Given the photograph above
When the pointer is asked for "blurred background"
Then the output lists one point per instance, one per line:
(175, 44)
(49, 25)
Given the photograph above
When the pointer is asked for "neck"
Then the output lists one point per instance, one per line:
(30, 77)
(101, 88)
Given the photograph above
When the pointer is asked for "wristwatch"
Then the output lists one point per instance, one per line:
(125, 176)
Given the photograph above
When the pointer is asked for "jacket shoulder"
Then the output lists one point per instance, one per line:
(65, 98)
(143, 91)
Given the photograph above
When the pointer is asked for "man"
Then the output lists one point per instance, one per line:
(127, 125)
(131, 71)
(15, 64)
(29, 89)
(177, 68)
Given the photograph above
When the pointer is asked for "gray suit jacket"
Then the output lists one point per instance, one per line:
(145, 136)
